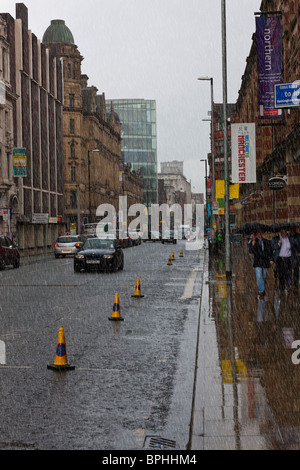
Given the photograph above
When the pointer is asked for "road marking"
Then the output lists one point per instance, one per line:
(189, 288)
(39, 285)
(15, 367)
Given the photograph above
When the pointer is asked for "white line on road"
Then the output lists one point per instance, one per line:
(189, 288)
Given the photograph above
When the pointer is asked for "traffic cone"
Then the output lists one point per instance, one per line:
(173, 257)
(169, 262)
(181, 254)
(116, 310)
(60, 362)
(137, 292)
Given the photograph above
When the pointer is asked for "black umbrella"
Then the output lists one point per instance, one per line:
(253, 227)
(283, 226)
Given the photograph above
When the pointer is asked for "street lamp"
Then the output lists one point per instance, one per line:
(212, 148)
(206, 186)
(212, 133)
(89, 176)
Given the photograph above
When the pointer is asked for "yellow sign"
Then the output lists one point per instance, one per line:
(220, 190)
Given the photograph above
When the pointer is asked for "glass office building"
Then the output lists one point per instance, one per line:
(138, 131)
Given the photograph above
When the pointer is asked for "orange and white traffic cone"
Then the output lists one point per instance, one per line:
(116, 316)
(173, 257)
(181, 254)
(60, 362)
(169, 262)
(137, 292)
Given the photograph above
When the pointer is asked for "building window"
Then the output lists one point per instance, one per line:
(72, 174)
(69, 71)
(72, 126)
(71, 101)
(72, 150)
(73, 200)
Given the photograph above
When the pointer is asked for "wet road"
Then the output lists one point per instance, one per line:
(247, 394)
(132, 379)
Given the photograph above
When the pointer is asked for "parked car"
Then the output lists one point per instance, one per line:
(169, 237)
(99, 254)
(153, 236)
(124, 238)
(88, 235)
(9, 253)
(136, 238)
(68, 245)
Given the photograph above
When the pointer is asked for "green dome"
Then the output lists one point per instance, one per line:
(58, 32)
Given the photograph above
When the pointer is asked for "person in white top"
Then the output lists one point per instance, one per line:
(283, 256)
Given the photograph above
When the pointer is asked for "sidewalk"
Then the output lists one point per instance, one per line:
(241, 397)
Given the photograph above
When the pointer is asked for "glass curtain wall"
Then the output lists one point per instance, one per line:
(139, 142)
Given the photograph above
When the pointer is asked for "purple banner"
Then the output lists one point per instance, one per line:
(268, 44)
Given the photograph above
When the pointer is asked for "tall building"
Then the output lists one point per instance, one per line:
(277, 139)
(32, 77)
(139, 143)
(91, 135)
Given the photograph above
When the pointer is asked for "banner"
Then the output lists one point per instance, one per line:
(243, 153)
(268, 45)
(19, 162)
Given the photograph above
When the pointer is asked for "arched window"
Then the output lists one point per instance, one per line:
(68, 70)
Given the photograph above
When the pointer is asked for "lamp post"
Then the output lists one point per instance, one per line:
(89, 177)
(205, 185)
(228, 262)
(212, 149)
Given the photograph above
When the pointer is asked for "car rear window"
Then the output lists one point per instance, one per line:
(99, 244)
(67, 240)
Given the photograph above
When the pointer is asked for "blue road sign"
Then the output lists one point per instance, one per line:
(287, 95)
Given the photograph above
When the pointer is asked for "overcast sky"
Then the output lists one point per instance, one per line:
(156, 49)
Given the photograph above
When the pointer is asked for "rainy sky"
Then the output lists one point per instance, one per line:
(156, 50)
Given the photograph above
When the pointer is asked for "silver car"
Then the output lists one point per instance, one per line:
(68, 245)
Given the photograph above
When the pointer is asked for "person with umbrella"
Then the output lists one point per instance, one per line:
(284, 256)
(295, 235)
(261, 249)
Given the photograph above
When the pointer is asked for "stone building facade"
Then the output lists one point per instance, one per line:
(177, 188)
(277, 141)
(8, 187)
(33, 81)
(91, 136)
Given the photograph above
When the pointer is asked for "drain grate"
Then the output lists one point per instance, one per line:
(157, 442)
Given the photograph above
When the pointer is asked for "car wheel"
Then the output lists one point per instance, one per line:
(2, 264)
(76, 268)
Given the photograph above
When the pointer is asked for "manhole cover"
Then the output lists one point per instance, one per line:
(157, 442)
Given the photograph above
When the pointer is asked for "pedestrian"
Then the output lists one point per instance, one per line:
(261, 248)
(295, 235)
(284, 256)
(220, 239)
(274, 243)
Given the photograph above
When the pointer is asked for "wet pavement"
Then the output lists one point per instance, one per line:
(247, 394)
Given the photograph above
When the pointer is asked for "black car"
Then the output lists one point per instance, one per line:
(153, 236)
(100, 254)
(169, 237)
(9, 253)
